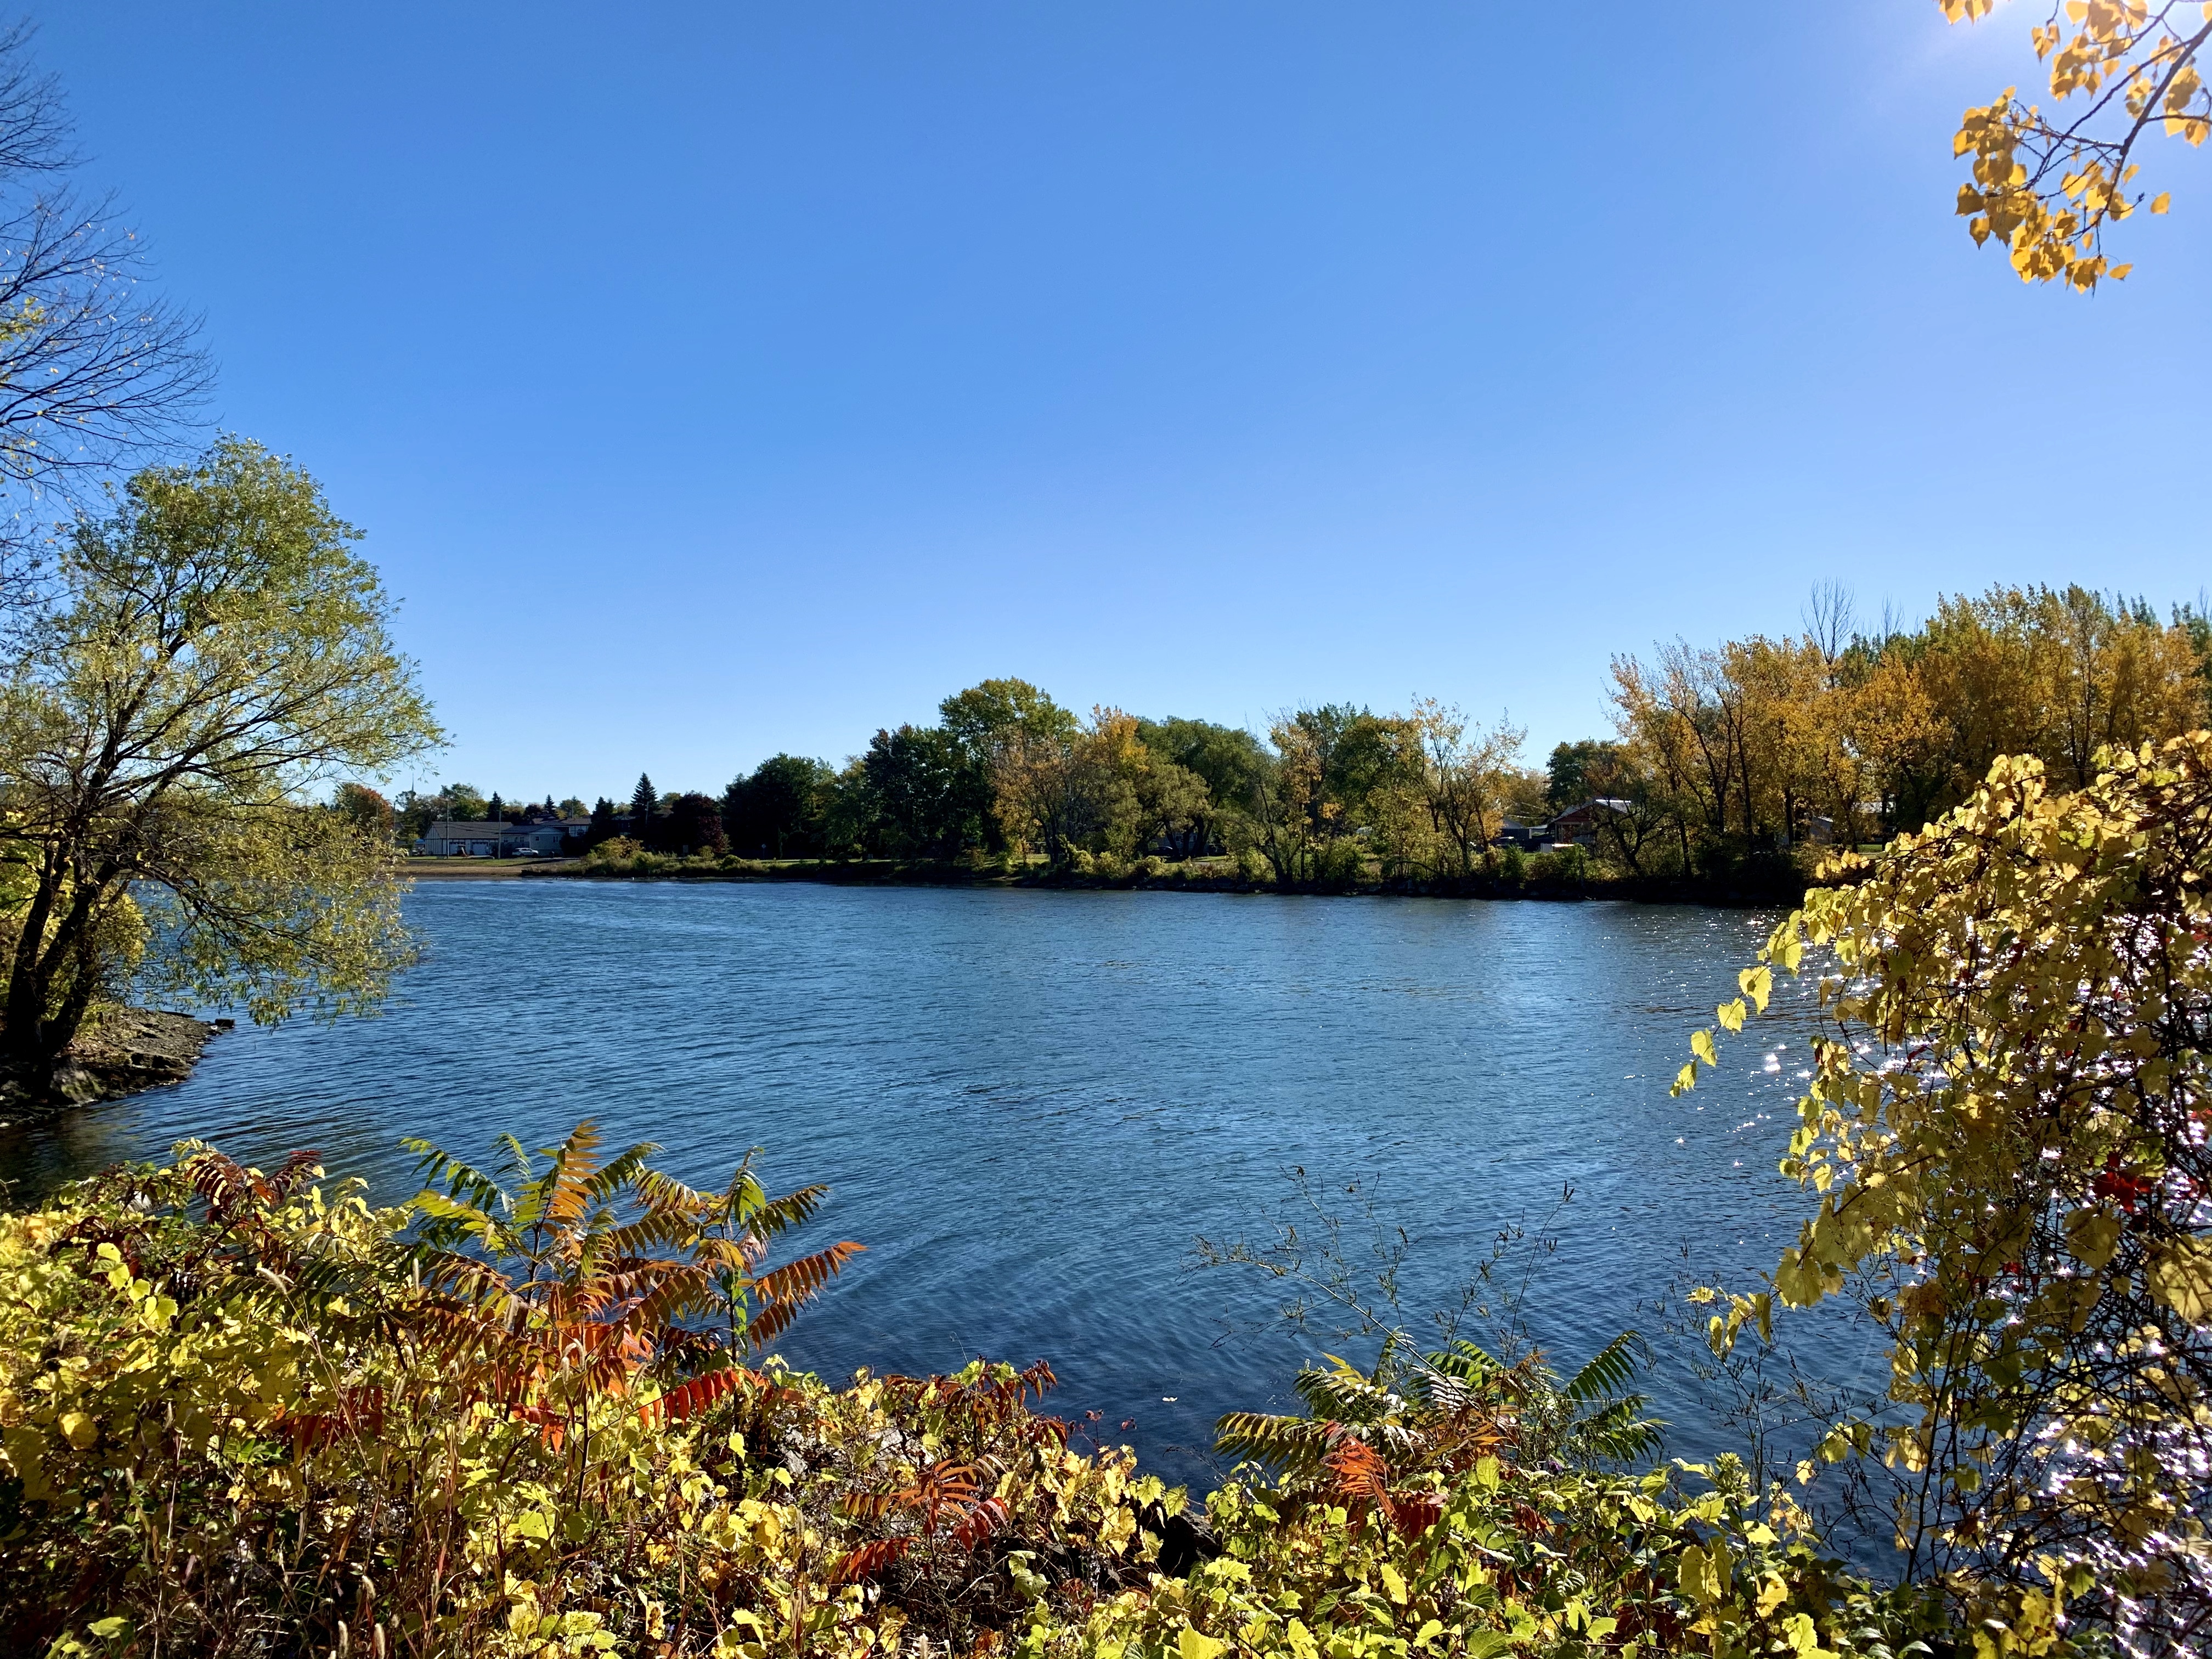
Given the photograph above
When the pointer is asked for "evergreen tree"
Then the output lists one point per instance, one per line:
(643, 802)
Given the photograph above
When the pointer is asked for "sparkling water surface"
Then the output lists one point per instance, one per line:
(1029, 1105)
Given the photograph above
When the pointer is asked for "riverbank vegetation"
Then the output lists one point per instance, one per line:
(1731, 771)
(533, 1412)
(238, 1406)
(1564, 872)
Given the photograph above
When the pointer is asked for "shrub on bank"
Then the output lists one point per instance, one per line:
(621, 856)
(1566, 866)
(244, 1411)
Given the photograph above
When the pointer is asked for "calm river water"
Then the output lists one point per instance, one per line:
(1030, 1104)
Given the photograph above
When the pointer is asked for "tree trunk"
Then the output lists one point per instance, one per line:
(35, 1033)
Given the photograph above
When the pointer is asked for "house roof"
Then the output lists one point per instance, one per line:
(485, 829)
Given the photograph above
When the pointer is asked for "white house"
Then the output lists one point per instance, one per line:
(463, 838)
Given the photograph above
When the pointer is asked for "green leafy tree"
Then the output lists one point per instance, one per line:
(217, 650)
(777, 811)
(1584, 770)
(1340, 770)
(458, 801)
(848, 811)
(924, 796)
(462, 802)
(693, 825)
(365, 810)
(1232, 763)
(984, 716)
(1003, 727)
(1172, 805)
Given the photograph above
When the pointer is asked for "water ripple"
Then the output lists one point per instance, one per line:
(1028, 1104)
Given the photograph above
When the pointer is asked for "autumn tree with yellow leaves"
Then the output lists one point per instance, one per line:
(2010, 1131)
(2048, 183)
(1761, 745)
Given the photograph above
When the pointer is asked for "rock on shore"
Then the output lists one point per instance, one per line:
(120, 1052)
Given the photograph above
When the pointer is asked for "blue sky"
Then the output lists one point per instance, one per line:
(717, 379)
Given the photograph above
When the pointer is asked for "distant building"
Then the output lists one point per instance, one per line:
(1578, 826)
(463, 838)
(1528, 838)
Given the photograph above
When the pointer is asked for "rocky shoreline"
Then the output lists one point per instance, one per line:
(126, 1050)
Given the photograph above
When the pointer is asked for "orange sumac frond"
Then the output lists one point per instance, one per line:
(700, 1392)
(567, 1183)
(803, 1279)
(870, 1560)
(941, 1488)
(980, 1522)
(1362, 1476)
(1411, 1517)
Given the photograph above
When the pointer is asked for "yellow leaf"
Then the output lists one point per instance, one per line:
(1685, 1079)
(1706, 1573)
(2180, 1277)
(78, 1429)
(1196, 1644)
(1393, 1584)
(1730, 1014)
(2092, 1236)
(1701, 1045)
(1758, 984)
(1696, 1576)
(2163, 199)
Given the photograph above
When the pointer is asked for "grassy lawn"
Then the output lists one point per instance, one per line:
(477, 869)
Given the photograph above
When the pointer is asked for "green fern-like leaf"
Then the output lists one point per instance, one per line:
(1465, 1362)
(1296, 1444)
(1610, 1370)
(1620, 1433)
(1340, 1391)
(618, 1172)
(766, 1220)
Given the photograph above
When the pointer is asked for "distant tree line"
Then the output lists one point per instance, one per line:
(1850, 736)
(1720, 758)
